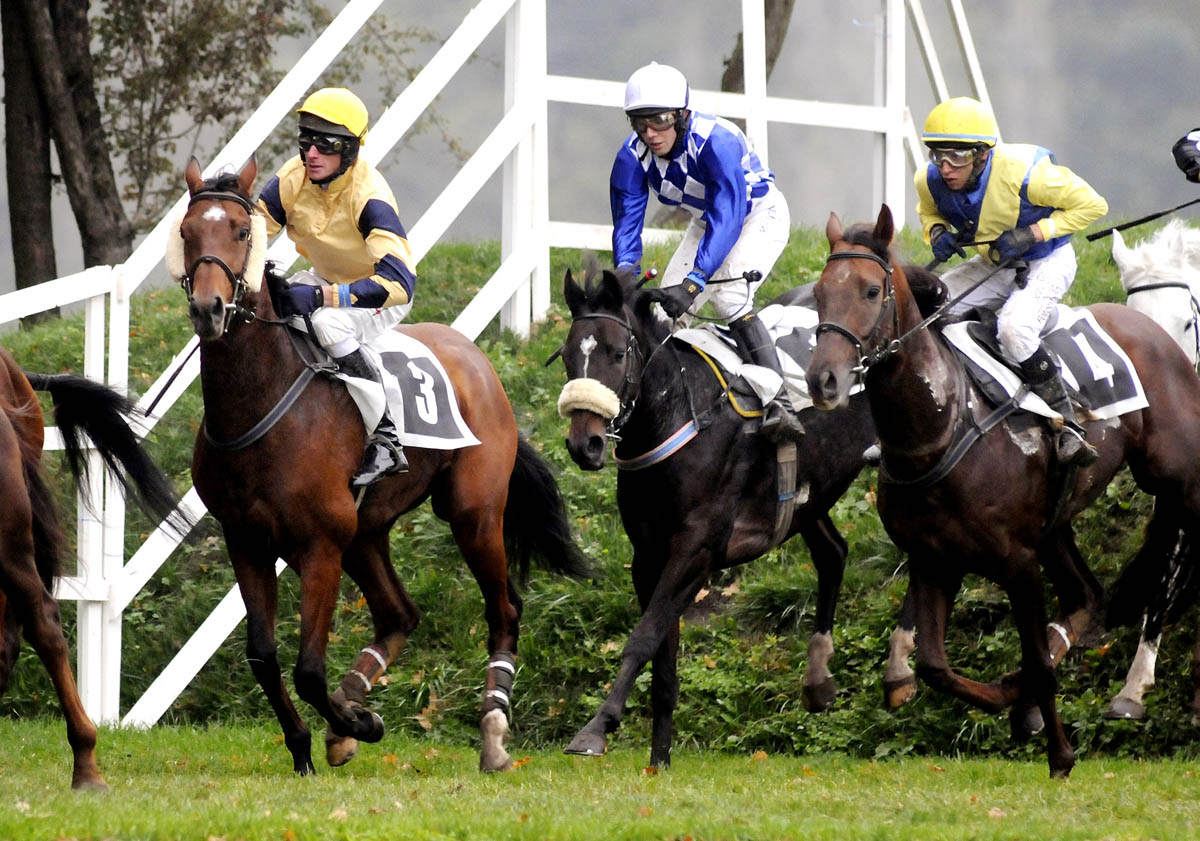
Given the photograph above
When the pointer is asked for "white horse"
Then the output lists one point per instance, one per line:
(1161, 276)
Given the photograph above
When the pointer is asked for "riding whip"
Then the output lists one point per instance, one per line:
(1098, 234)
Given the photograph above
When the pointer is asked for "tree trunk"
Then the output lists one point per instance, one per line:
(58, 39)
(778, 15)
(27, 161)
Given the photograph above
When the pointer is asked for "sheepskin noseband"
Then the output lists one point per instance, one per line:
(589, 395)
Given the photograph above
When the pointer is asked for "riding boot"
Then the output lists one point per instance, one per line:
(779, 418)
(1071, 446)
(383, 455)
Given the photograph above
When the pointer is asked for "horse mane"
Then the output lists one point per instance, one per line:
(223, 182)
(863, 234)
(1172, 253)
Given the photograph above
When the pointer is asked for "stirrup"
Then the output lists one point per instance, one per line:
(381, 458)
(1071, 447)
(780, 423)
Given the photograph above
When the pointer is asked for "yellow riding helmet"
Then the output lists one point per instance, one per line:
(338, 107)
(960, 120)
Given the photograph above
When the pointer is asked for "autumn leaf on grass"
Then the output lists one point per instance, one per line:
(650, 771)
(732, 590)
(701, 595)
(338, 814)
(759, 755)
(390, 759)
(524, 760)
(709, 662)
(996, 812)
(645, 812)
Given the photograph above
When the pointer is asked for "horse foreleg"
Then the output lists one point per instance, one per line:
(259, 589)
(828, 551)
(10, 642)
(933, 599)
(1025, 594)
(320, 570)
(394, 617)
(899, 680)
(664, 695)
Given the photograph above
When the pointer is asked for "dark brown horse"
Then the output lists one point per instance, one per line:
(992, 512)
(31, 540)
(287, 493)
(692, 510)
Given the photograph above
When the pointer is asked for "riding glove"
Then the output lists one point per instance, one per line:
(675, 300)
(1012, 244)
(1187, 154)
(944, 244)
(300, 299)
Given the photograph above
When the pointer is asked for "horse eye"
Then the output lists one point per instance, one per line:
(619, 356)
(872, 293)
(243, 234)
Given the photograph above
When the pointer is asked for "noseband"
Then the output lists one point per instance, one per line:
(236, 279)
(629, 382)
(868, 357)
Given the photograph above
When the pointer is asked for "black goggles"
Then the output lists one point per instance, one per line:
(957, 158)
(327, 144)
(658, 122)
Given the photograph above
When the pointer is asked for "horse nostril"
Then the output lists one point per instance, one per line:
(595, 446)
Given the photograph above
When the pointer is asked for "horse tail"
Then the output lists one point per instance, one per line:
(84, 407)
(535, 519)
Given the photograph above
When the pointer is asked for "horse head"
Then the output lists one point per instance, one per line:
(862, 298)
(221, 247)
(1161, 277)
(603, 357)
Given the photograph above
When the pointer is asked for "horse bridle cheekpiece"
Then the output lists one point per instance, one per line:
(252, 265)
(868, 356)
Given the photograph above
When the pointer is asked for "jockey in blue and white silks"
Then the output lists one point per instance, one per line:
(1021, 205)
(740, 219)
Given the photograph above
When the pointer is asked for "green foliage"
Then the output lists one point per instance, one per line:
(742, 655)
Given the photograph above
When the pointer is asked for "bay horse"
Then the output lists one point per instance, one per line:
(287, 493)
(992, 512)
(31, 538)
(692, 511)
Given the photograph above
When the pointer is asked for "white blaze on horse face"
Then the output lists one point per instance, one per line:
(586, 347)
(214, 214)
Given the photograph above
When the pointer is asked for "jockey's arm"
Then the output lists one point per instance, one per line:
(1076, 204)
(725, 200)
(628, 195)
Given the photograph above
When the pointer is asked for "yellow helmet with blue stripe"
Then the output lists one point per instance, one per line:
(961, 120)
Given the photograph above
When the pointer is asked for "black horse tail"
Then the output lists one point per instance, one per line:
(83, 407)
(535, 520)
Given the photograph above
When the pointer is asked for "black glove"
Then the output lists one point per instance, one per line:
(675, 300)
(300, 299)
(1012, 244)
(944, 244)
(1187, 154)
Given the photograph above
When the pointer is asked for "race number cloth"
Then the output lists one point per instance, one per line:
(1092, 364)
(792, 328)
(420, 396)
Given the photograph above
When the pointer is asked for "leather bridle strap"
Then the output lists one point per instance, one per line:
(889, 304)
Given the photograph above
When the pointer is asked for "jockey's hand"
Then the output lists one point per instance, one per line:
(300, 299)
(675, 300)
(1012, 244)
(944, 244)
(1187, 154)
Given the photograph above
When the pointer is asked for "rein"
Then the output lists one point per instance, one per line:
(1192, 325)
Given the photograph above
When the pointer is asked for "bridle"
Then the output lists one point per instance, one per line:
(630, 388)
(1194, 323)
(868, 353)
(236, 279)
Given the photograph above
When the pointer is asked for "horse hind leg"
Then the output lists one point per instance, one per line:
(899, 679)
(10, 642)
(394, 616)
(828, 551)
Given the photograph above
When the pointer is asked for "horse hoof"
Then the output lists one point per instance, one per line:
(1124, 708)
(587, 744)
(1025, 722)
(339, 749)
(1060, 773)
(897, 693)
(89, 784)
(370, 726)
(819, 697)
(303, 767)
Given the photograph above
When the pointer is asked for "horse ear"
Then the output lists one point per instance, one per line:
(612, 293)
(885, 227)
(833, 229)
(573, 294)
(193, 175)
(247, 175)
(1120, 251)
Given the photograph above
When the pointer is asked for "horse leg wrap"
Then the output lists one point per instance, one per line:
(501, 669)
(367, 669)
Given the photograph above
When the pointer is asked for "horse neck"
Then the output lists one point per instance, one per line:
(243, 374)
(665, 395)
(917, 396)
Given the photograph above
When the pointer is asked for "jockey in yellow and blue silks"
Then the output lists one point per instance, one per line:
(1024, 205)
(740, 220)
(341, 214)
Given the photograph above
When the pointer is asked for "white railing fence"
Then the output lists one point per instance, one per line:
(518, 291)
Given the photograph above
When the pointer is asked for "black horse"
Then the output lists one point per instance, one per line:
(711, 504)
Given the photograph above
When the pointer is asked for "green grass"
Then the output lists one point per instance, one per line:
(740, 668)
(232, 783)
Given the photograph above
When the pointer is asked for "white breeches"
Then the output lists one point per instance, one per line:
(340, 330)
(1021, 313)
(764, 236)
